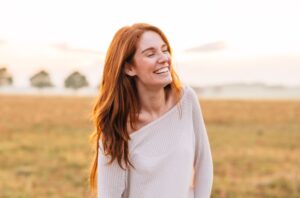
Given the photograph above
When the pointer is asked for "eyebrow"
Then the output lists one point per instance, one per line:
(152, 48)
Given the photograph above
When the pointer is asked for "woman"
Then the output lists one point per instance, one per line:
(150, 137)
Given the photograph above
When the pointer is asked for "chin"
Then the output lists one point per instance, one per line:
(167, 82)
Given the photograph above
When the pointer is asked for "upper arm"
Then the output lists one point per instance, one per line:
(203, 164)
(111, 182)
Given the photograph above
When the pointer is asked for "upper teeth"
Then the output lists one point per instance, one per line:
(161, 70)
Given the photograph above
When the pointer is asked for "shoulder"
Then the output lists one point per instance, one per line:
(190, 94)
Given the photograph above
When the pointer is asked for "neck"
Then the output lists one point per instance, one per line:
(153, 100)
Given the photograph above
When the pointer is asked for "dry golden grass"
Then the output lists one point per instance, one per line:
(44, 149)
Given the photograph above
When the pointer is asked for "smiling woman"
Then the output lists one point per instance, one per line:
(150, 139)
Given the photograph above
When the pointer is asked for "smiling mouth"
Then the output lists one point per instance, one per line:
(162, 70)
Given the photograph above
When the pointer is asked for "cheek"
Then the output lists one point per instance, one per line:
(150, 62)
(146, 65)
(146, 72)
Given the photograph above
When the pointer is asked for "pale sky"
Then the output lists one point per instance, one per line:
(214, 41)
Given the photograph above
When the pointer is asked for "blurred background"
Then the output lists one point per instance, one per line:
(241, 57)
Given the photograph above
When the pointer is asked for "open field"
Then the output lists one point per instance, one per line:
(44, 149)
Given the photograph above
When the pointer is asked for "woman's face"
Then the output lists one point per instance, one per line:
(151, 62)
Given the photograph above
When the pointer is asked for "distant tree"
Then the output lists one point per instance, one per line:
(41, 80)
(76, 81)
(5, 77)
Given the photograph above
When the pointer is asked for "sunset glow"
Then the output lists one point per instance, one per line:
(71, 34)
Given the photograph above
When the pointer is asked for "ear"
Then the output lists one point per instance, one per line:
(129, 69)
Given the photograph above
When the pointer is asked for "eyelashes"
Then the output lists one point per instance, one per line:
(153, 53)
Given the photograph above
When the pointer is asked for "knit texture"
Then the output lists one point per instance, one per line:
(167, 154)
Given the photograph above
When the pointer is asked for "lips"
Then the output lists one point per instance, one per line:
(162, 70)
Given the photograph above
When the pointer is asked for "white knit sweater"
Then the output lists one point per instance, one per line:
(164, 152)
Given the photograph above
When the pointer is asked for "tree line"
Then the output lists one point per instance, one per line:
(42, 79)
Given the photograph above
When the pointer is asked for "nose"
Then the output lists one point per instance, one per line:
(164, 57)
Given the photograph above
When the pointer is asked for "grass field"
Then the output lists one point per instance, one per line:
(44, 149)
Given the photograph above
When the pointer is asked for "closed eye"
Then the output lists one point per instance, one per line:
(165, 49)
(150, 54)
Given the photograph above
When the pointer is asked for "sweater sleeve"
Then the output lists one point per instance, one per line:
(111, 180)
(203, 164)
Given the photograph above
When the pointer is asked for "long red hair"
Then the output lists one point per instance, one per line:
(117, 102)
